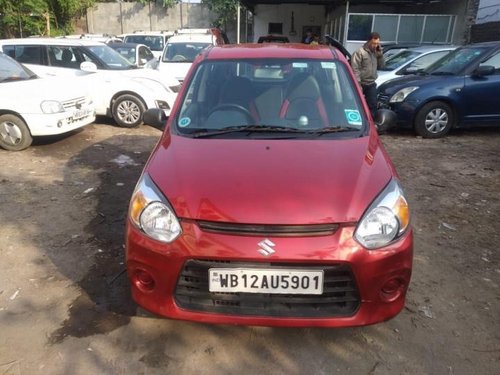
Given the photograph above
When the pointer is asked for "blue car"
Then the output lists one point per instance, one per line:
(461, 89)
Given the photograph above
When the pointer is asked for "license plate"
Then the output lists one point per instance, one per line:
(81, 113)
(251, 280)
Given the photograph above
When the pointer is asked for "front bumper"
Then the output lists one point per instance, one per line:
(405, 111)
(364, 300)
(42, 124)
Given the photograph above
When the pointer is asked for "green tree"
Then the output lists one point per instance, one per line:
(39, 17)
(224, 9)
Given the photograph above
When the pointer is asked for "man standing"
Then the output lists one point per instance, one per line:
(365, 62)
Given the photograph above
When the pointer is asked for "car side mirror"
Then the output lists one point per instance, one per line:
(155, 117)
(385, 119)
(88, 66)
(483, 70)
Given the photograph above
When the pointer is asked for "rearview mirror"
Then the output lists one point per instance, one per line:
(385, 119)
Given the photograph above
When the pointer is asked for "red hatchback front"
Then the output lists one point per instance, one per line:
(269, 199)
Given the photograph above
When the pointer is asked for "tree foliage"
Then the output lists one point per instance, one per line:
(224, 9)
(39, 17)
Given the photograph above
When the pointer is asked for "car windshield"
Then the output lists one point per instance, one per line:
(127, 52)
(11, 70)
(183, 52)
(278, 98)
(110, 58)
(456, 61)
(155, 43)
(400, 58)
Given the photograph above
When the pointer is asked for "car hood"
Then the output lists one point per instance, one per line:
(270, 181)
(165, 79)
(396, 84)
(37, 90)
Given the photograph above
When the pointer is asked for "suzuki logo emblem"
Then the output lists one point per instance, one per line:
(266, 247)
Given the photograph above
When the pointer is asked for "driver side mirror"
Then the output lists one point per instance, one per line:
(156, 118)
(385, 119)
(483, 70)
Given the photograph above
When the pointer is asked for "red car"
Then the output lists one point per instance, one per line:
(269, 199)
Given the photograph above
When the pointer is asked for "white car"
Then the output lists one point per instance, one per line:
(118, 88)
(155, 40)
(32, 106)
(410, 61)
(182, 48)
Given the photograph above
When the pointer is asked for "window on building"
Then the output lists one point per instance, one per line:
(275, 28)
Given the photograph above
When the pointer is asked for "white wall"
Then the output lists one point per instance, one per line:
(304, 15)
(489, 11)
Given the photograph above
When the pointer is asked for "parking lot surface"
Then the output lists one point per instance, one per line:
(65, 306)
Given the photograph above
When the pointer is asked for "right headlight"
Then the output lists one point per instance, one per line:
(402, 94)
(387, 218)
(150, 211)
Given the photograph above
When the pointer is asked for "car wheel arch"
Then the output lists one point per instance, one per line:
(428, 103)
(131, 119)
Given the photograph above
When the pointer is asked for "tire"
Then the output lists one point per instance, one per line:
(434, 120)
(128, 111)
(14, 133)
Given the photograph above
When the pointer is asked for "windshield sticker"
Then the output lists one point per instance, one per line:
(185, 121)
(299, 65)
(353, 117)
(328, 65)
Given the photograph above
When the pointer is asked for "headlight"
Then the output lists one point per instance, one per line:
(386, 219)
(51, 106)
(152, 213)
(402, 94)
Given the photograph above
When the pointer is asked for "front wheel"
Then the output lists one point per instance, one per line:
(434, 120)
(14, 133)
(128, 111)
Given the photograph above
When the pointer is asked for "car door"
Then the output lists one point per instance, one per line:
(480, 93)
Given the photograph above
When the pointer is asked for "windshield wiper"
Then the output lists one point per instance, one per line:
(442, 73)
(334, 129)
(244, 128)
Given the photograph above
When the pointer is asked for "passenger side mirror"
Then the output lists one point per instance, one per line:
(88, 66)
(385, 119)
(155, 117)
(483, 70)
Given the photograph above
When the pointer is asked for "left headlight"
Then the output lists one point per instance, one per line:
(402, 94)
(150, 211)
(51, 106)
(387, 218)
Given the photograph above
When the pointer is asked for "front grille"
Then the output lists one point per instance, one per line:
(74, 103)
(268, 230)
(340, 294)
(384, 98)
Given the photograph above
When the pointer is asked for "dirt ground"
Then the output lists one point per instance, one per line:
(64, 300)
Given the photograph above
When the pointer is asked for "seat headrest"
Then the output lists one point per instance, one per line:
(303, 85)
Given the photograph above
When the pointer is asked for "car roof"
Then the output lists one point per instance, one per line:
(52, 41)
(155, 33)
(270, 50)
(127, 45)
(433, 48)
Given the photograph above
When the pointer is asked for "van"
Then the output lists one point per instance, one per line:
(182, 48)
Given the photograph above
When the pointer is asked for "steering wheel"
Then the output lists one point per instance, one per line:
(233, 107)
(218, 116)
(179, 58)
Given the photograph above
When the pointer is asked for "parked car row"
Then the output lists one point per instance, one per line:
(119, 90)
(459, 90)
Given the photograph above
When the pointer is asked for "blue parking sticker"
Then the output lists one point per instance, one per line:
(185, 121)
(353, 116)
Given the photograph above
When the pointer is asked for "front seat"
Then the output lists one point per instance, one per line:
(239, 91)
(235, 105)
(303, 104)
